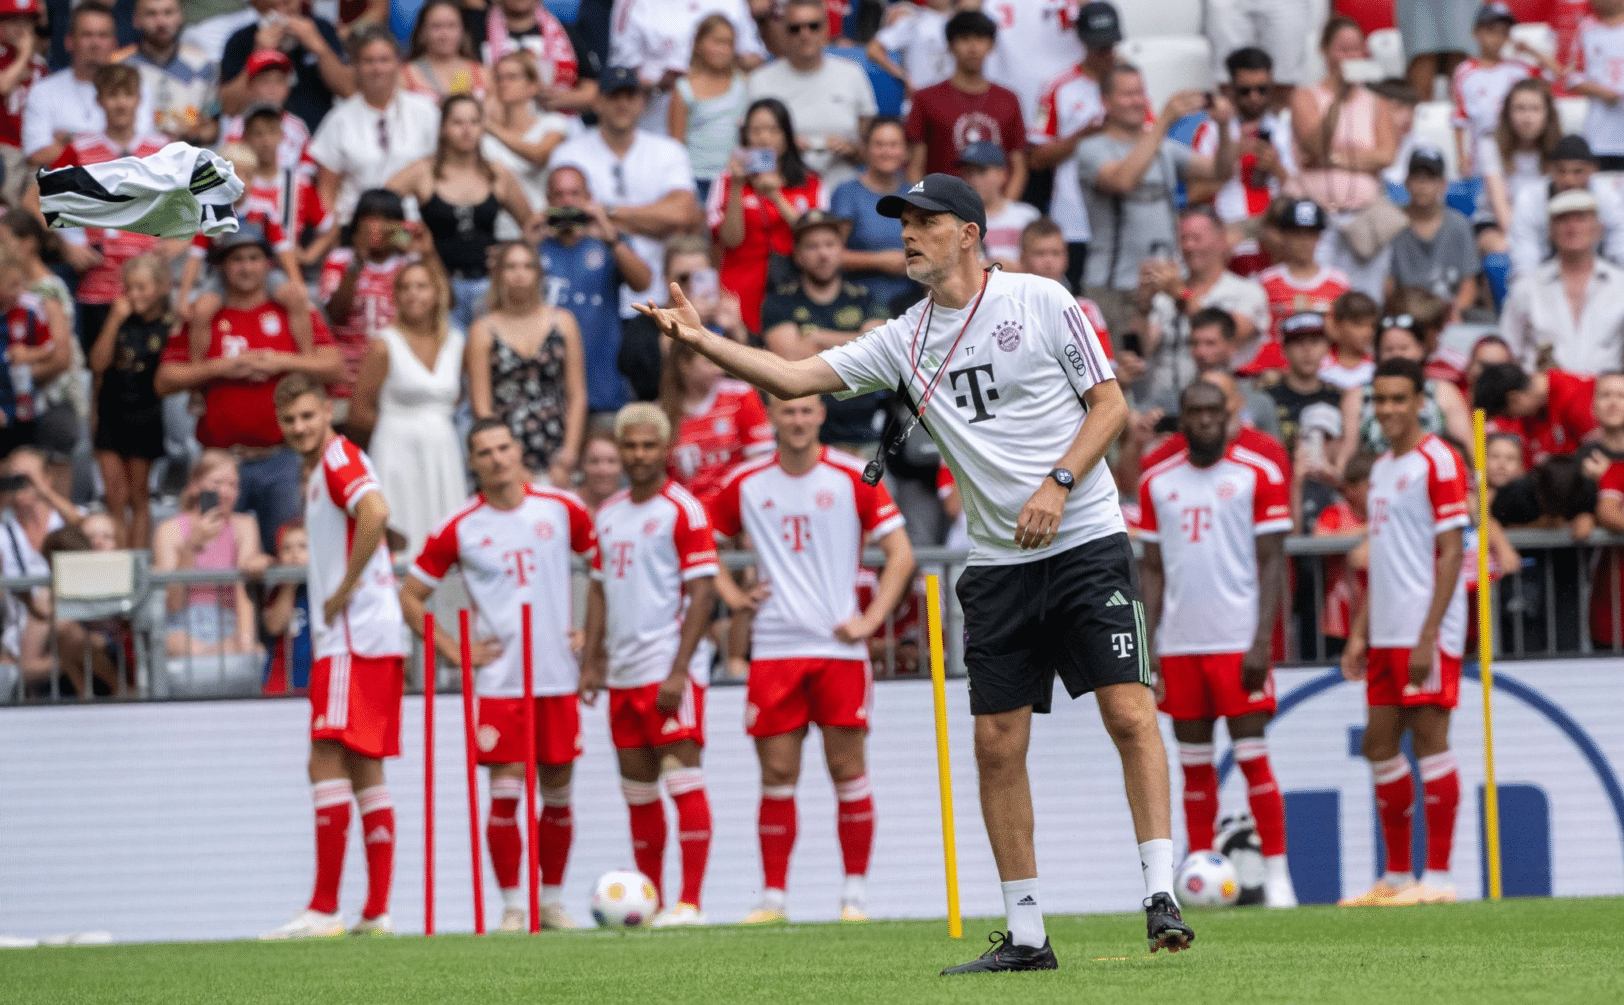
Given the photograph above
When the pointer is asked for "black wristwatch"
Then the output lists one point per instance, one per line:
(1063, 478)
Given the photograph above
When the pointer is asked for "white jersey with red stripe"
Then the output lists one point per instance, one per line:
(1289, 295)
(1479, 89)
(807, 531)
(647, 552)
(510, 558)
(371, 624)
(1413, 498)
(1239, 199)
(1069, 103)
(1207, 521)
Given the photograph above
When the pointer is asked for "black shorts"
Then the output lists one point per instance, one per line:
(132, 434)
(1076, 613)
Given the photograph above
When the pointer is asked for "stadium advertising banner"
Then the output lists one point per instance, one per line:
(192, 820)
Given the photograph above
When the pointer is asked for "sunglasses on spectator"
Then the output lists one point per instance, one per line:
(796, 29)
(1405, 321)
(1259, 89)
(684, 279)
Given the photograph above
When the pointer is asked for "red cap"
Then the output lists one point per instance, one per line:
(264, 59)
(10, 7)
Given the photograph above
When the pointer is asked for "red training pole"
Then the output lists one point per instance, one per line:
(473, 779)
(532, 812)
(429, 681)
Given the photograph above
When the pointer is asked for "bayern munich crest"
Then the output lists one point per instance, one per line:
(825, 499)
(544, 530)
(1008, 335)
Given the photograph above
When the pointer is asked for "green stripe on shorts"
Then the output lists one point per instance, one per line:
(1144, 654)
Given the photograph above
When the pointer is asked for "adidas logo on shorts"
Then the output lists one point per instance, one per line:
(1117, 600)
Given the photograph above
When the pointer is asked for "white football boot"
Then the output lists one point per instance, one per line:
(309, 924)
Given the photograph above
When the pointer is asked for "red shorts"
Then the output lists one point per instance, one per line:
(499, 733)
(784, 695)
(356, 701)
(635, 721)
(1387, 680)
(1208, 686)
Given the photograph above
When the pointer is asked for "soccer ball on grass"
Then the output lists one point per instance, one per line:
(624, 898)
(1206, 879)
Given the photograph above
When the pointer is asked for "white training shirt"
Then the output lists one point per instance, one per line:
(510, 558)
(919, 36)
(1037, 41)
(1068, 103)
(1007, 407)
(1599, 53)
(653, 167)
(653, 36)
(807, 531)
(646, 553)
(1207, 521)
(371, 625)
(1414, 498)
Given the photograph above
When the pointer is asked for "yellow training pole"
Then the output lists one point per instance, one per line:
(944, 777)
(1485, 659)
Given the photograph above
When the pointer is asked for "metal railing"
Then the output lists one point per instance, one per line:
(1562, 601)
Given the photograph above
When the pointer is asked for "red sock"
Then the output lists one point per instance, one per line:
(1440, 792)
(854, 822)
(648, 829)
(687, 788)
(1263, 794)
(557, 832)
(378, 837)
(775, 823)
(1200, 794)
(502, 831)
(1395, 798)
(332, 798)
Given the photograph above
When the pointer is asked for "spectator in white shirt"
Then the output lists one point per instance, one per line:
(643, 180)
(1572, 168)
(656, 38)
(65, 102)
(983, 165)
(1569, 312)
(829, 97)
(373, 134)
(918, 35)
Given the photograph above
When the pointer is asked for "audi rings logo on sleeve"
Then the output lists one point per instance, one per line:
(1074, 356)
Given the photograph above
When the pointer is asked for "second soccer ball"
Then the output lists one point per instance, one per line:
(1206, 879)
(624, 898)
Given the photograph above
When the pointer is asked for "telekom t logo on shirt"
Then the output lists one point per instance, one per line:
(622, 559)
(1196, 520)
(520, 563)
(797, 531)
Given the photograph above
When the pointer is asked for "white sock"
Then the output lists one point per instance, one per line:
(1397, 880)
(1436, 878)
(1156, 861)
(513, 899)
(855, 891)
(772, 900)
(552, 895)
(1024, 914)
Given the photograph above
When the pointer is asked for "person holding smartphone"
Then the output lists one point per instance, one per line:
(756, 203)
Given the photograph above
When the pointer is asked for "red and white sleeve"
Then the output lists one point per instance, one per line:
(1446, 487)
(876, 512)
(1271, 503)
(347, 476)
(439, 553)
(696, 544)
(1149, 528)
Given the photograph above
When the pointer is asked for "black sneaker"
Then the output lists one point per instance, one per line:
(1164, 926)
(1006, 955)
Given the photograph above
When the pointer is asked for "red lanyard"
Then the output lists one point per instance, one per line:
(915, 350)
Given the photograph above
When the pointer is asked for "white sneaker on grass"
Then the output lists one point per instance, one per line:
(381, 925)
(309, 924)
(679, 916)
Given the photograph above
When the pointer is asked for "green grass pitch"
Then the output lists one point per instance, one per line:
(1518, 951)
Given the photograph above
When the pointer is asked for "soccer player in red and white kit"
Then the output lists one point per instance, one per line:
(807, 512)
(514, 541)
(1214, 519)
(359, 647)
(652, 596)
(1408, 636)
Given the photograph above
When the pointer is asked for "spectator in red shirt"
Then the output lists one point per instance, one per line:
(967, 108)
(33, 355)
(250, 345)
(20, 66)
(719, 423)
(358, 280)
(754, 206)
(1553, 407)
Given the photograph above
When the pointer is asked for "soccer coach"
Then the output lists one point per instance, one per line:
(1011, 382)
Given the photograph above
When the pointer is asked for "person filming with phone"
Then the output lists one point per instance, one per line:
(587, 259)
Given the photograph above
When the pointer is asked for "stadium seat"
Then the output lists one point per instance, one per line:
(1170, 65)
(1163, 18)
(1372, 15)
(1387, 48)
(1538, 35)
(1572, 112)
(1433, 125)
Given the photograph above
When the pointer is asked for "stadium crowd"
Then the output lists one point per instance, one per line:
(452, 225)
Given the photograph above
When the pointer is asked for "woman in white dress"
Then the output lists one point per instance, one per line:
(407, 392)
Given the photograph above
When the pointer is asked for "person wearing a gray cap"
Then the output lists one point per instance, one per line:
(1010, 381)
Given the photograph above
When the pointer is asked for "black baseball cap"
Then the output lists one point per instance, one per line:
(1427, 159)
(618, 78)
(1489, 13)
(1572, 148)
(1304, 214)
(939, 193)
(1305, 325)
(983, 153)
(1098, 25)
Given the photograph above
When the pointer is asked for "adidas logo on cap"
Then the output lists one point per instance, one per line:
(919, 186)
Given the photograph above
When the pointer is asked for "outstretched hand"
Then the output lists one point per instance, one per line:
(680, 321)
